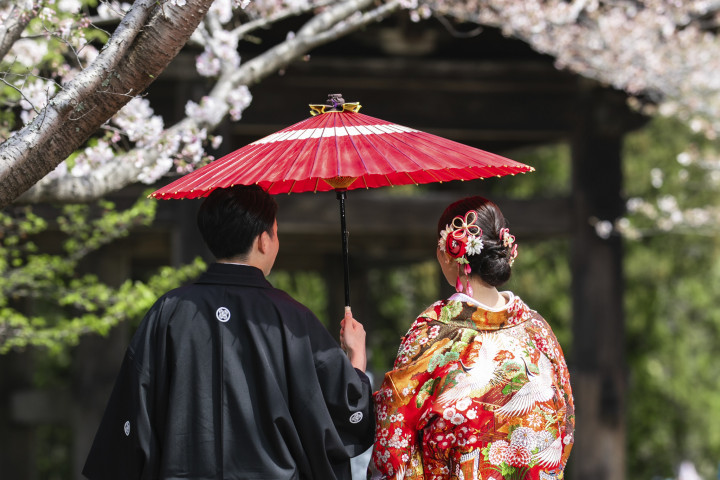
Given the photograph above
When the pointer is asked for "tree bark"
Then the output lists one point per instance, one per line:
(147, 39)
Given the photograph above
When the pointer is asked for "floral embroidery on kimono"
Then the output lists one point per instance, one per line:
(475, 394)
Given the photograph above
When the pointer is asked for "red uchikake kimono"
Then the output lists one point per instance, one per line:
(475, 393)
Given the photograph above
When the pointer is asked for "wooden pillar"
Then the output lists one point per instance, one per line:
(598, 370)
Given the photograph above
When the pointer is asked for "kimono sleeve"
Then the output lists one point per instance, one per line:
(125, 445)
(400, 405)
(332, 406)
(545, 339)
(348, 397)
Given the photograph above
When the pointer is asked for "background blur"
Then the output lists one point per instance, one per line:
(617, 234)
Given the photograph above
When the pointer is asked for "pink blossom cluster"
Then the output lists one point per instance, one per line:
(135, 132)
(662, 50)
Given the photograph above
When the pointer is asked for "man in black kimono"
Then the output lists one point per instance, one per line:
(230, 378)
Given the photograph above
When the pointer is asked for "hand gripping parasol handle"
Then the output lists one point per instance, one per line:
(346, 261)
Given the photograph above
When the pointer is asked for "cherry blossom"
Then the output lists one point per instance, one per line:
(662, 52)
(27, 52)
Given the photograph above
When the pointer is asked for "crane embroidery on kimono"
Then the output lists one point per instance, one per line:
(538, 389)
(551, 456)
(479, 376)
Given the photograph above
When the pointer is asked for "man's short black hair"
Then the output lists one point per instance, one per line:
(230, 218)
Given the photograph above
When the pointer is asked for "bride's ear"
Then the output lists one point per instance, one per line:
(443, 257)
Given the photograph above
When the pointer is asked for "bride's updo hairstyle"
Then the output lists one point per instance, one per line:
(494, 261)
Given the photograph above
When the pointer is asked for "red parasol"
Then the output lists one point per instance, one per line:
(340, 149)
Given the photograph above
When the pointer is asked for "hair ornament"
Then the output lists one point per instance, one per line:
(465, 226)
(458, 285)
(508, 241)
(460, 239)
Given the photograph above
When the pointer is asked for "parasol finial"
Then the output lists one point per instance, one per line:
(335, 100)
(335, 103)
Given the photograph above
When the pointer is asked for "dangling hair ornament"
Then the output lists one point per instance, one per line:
(461, 239)
(508, 241)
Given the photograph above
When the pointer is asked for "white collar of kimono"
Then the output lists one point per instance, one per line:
(461, 297)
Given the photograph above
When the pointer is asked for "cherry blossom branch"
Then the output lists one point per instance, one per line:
(656, 49)
(339, 19)
(20, 92)
(37, 149)
(275, 17)
(12, 27)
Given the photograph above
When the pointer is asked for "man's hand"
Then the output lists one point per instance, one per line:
(352, 340)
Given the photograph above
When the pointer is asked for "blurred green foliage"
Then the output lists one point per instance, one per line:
(51, 295)
(54, 452)
(671, 298)
(673, 319)
(551, 177)
(45, 298)
(398, 295)
(541, 277)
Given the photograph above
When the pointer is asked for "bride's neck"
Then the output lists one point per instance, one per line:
(486, 294)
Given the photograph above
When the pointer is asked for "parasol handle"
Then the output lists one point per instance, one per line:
(346, 261)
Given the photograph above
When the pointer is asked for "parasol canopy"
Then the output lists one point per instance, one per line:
(340, 149)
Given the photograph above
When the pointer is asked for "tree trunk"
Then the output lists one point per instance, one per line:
(147, 39)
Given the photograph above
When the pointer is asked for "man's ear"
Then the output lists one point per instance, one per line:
(263, 241)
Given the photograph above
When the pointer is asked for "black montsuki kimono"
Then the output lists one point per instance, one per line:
(230, 378)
